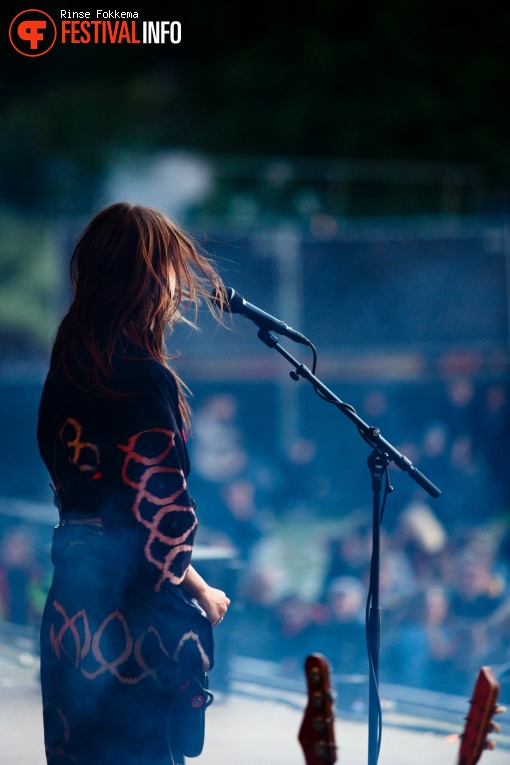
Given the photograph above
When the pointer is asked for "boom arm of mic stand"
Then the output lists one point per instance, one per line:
(370, 434)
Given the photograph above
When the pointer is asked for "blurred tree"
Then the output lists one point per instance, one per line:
(394, 80)
(29, 278)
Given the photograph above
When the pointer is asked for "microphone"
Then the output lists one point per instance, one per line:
(235, 303)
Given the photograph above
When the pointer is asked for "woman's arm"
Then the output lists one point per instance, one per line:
(213, 601)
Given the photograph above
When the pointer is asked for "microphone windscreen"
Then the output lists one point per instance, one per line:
(226, 299)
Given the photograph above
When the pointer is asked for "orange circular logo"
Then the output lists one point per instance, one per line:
(32, 33)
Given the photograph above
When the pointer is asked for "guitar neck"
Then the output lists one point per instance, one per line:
(317, 735)
(483, 706)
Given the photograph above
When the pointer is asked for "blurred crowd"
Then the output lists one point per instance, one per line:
(444, 567)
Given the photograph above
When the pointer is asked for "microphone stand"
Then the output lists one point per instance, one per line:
(382, 454)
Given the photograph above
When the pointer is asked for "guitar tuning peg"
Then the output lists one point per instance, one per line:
(321, 748)
(494, 727)
(319, 724)
(499, 710)
(315, 675)
(317, 700)
(489, 745)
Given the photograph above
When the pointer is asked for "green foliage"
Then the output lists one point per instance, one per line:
(394, 80)
(28, 284)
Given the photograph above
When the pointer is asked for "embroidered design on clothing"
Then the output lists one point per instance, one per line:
(113, 648)
(58, 752)
(87, 650)
(162, 503)
(83, 454)
(194, 637)
(82, 647)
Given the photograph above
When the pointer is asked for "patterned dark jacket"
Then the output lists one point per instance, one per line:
(117, 625)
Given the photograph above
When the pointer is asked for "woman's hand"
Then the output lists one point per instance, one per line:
(214, 602)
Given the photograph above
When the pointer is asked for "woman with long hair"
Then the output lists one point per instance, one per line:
(126, 633)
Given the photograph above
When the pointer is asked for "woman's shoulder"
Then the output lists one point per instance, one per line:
(142, 366)
(134, 373)
(138, 372)
(152, 393)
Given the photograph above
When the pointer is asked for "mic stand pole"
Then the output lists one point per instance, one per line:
(383, 453)
(378, 464)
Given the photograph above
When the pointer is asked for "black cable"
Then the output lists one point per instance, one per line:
(372, 670)
(314, 351)
(367, 630)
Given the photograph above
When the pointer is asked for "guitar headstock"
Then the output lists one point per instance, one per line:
(317, 734)
(483, 705)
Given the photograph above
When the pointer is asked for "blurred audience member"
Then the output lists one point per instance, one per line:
(472, 496)
(478, 590)
(219, 453)
(434, 460)
(256, 620)
(348, 554)
(306, 486)
(242, 522)
(218, 450)
(340, 635)
(396, 582)
(422, 648)
(460, 412)
(495, 425)
(20, 577)
(478, 594)
(295, 632)
(423, 538)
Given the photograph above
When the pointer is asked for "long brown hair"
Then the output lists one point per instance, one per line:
(134, 271)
